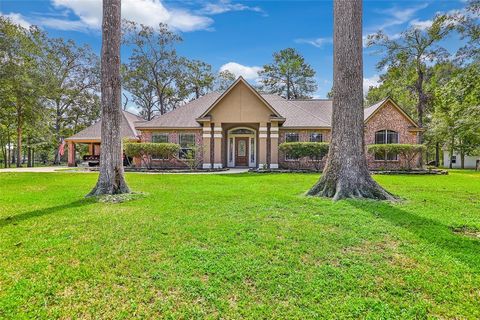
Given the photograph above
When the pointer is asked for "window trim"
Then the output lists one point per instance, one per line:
(386, 133)
(183, 150)
(319, 133)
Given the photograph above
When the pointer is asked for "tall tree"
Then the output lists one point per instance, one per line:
(469, 28)
(457, 110)
(154, 55)
(111, 179)
(199, 77)
(418, 47)
(143, 92)
(346, 173)
(289, 75)
(224, 80)
(20, 79)
(71, 74)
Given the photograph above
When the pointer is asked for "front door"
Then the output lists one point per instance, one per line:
(241, 152)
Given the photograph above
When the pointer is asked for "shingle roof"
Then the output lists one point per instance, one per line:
(127, 128)
(315, 113)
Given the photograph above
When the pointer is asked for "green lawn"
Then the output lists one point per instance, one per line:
(238, 246)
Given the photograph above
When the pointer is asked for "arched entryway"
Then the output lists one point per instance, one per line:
(242, 147)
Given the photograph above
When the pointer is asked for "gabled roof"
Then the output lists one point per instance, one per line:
(312, 113)
(372, 110)
(233, 85)
(93, 133)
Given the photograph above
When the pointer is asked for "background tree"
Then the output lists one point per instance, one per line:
(199, 77)
(455, 120)
(469, 28)
(71, 74)
(21, 83)
(111, 179)
(415, 48)
(155, 61)
(346, 173)
(224, 80)
(143, 92)
(289, 75)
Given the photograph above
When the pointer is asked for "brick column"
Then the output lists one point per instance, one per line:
(217, 145)
(71, 154)
(207, 136)
(262, 145)
(274, 146)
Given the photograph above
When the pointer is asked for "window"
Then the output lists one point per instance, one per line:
(187, 142)
(386, 137)
(291, 137)
(160, 137)
(454, 159)
(316, 137)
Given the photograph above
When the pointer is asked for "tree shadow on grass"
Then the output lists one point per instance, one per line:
(459, 247)
(45, 211)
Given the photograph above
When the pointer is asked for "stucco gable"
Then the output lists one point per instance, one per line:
(240, 103)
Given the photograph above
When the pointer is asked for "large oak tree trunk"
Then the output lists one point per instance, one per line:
(346, 173)
(111, 179)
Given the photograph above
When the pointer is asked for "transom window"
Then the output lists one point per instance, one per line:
(291, 137)
(386, 137)
(187, 144)
(160, 137)
(242, 131)
(316, 137)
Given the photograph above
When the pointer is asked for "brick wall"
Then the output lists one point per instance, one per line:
(173, 137)
(387, 118)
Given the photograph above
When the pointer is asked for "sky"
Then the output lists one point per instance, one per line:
(240, 36)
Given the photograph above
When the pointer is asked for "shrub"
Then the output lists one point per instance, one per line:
(407, 151)
(306, 151)
(146, 150)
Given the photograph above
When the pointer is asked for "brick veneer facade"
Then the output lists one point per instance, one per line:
(173, 162)
(387, 117)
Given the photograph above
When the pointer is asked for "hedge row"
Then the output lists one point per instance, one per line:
(312, 150)
(163, 150)
(403, 149)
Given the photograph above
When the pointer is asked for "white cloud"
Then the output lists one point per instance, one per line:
(147, 12)
(249, 73)
(226, 6)
(397, 16)
(319, 42)
(421, 25)
(17, 18)
(373, 81)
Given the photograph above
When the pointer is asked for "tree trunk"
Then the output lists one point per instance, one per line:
(19, 142)
(462, 160)
(451, 156)
(346, 173)
(111, 179)
(437, 154)
(421, 106)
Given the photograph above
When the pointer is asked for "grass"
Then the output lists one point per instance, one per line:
(238, 246)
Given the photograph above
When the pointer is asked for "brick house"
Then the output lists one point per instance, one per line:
(243, 128)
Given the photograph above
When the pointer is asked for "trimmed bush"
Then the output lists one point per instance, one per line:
(146, 150)
(407, 151)
(306, 150)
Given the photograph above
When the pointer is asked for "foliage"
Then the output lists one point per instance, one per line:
(407, 151)
(457, 110)
(289, 75)
(192, 158)
(207, 244)
(224, 80)
(468, 26)
(305, 151)
(198, 77)
(146, 150)
(413, 51)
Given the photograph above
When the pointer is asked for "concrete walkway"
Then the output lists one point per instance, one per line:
(65, 169)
